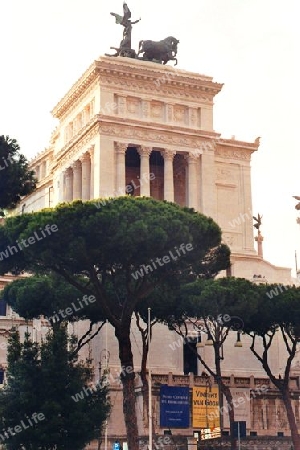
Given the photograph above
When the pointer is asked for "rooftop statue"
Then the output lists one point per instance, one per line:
(125, 45)
(257, 219)
(160, 52)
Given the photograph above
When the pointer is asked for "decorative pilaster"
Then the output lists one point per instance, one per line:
(192, 159)
(68, 174)
(146, 109)
(144, 153)
(170, 113)
(120, 149)
(77, 180)
(86, 176)
(168, 156)
(122, 105)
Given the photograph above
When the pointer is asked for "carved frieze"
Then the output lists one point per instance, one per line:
(133, 105)
(156, 110)
(180, 114)
(135, 134)
(233, 154)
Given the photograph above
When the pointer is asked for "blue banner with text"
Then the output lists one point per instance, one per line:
(174, 407)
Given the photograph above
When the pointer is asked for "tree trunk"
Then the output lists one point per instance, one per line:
(291, 418)
(226, 391)
(127, 377)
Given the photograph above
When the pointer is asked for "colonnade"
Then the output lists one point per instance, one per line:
(168, 156)
(78, 178)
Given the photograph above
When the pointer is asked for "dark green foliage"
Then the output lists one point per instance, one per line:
(97, 251)
(16, 180)
(42, 379)
(102, 252)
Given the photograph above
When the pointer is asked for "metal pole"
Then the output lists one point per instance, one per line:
(106, 369)
(149, 383)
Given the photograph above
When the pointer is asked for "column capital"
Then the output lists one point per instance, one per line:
(168, 154)
(76, 165)
(86, 157)
(68, 172)
(144, 150)
(192, 157)
(121, 147)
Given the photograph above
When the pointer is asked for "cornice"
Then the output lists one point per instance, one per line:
(233, 143)
(159, 134)
(76, 91)
(70, 154)
(154, 79)
(79, 140)
(144, 76)
(41, 156)
(232, 149)
(77, 99)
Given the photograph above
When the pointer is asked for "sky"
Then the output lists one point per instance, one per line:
(251, 46)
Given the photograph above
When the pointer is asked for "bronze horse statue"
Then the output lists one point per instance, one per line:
(161, 51)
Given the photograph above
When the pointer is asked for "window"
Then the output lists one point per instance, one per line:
(190, 360)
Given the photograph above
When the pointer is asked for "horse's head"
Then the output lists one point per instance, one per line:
(172, 40)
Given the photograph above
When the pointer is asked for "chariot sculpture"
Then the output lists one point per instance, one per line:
(157, 51)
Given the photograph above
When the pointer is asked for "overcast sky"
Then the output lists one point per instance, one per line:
(249, 45)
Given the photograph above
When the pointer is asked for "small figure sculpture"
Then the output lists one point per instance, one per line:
(258, 221)
(125, 45)
(298, 204)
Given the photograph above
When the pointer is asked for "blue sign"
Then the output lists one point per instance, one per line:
(116, 446)
(174, 407)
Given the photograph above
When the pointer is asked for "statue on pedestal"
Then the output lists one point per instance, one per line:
(258, 221)
(259, 238)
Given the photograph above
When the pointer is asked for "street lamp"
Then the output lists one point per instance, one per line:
(238, 340)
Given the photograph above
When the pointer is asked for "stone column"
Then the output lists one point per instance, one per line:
(120, 149)
(259, 239)
(192, 160)
(68, 174)
(86, 176)
(145, 153)
(77, 180)
(168, 156)
(91, 152)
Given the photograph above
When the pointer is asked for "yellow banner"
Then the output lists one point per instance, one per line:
(206, 412)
